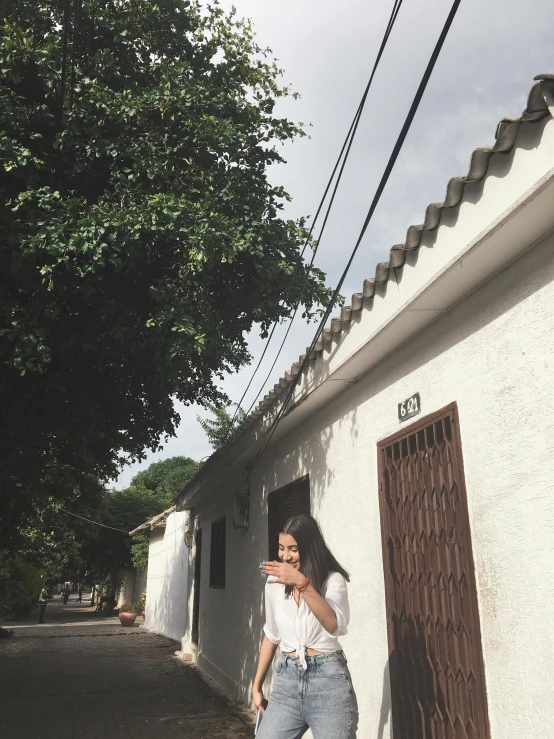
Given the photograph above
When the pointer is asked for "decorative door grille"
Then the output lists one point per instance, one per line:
(435, 658)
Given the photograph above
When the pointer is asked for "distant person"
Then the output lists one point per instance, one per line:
(108, 599)
(66, 592)
(80, 598)
(42, 603)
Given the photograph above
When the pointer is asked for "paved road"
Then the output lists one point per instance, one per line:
(78, 677)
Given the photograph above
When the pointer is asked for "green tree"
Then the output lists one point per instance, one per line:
(140, 238)
(167, 478)
(139, 552)
(20, 582)
(217, 429)
(106, 550)
(49, 541)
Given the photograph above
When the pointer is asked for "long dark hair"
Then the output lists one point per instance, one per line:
(316, 559)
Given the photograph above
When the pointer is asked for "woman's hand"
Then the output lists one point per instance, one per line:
(258, 698)
(285, 574)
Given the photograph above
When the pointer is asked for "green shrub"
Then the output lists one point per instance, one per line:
(20, 582)
(130, 608)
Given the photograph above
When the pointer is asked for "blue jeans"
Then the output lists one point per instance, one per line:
(320, 698)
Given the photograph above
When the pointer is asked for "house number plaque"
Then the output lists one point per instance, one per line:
(409, 408)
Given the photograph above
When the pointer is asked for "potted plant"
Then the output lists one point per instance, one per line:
(128, 613)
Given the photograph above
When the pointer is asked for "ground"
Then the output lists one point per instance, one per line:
(78, 676)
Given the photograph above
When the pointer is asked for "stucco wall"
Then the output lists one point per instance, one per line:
(166, 586)
(140, 584)
(493, 355)
(125, 585)
(131, 583)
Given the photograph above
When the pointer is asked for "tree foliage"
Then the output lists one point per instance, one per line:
(140, 238)
(139, 552)
(167, 478)
(152, 491)
(58, 543)
(20, 581)
(217, 428)
(46, 546)
(106, 550)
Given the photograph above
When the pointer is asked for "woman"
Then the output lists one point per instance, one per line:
(306, 608)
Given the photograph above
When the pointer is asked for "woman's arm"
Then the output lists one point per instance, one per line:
(287, 575)
(320, 608)
(267, 652)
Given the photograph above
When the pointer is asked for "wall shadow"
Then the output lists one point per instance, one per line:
(416, 700)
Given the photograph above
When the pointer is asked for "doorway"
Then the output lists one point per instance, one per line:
(435, 656)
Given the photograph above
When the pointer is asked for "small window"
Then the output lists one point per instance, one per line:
(282, 504)
(217, 554)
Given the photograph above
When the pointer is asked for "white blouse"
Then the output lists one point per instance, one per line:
(295, 628)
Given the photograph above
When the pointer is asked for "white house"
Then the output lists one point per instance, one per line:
(167, 574)
(420, 434)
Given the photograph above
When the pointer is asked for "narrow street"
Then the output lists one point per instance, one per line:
(81, 676)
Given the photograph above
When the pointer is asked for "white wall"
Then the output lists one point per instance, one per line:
(125, 585)
(493, 354)
(167, 577)
(140, 584)
(131, 583)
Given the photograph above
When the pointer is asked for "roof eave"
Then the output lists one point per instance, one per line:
(540, 105)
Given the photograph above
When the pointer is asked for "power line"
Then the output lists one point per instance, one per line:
(345, 150)
(346, 146)
(96, 523)
(382, 184)
(267, 343)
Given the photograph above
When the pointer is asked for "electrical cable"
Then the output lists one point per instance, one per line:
(267, 343)
(96, 523)
(382, 184)
(346, 146)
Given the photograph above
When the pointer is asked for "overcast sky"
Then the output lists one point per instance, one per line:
(327, 49)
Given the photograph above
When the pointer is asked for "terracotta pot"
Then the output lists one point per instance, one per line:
(127, 619)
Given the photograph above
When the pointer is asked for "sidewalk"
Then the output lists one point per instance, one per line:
(81, 676)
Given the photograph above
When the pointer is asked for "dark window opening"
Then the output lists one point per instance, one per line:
(282, 504)
(217, 554)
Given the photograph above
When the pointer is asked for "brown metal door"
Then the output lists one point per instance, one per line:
(435, 658)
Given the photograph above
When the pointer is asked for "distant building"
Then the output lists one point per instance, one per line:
(166, 577)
